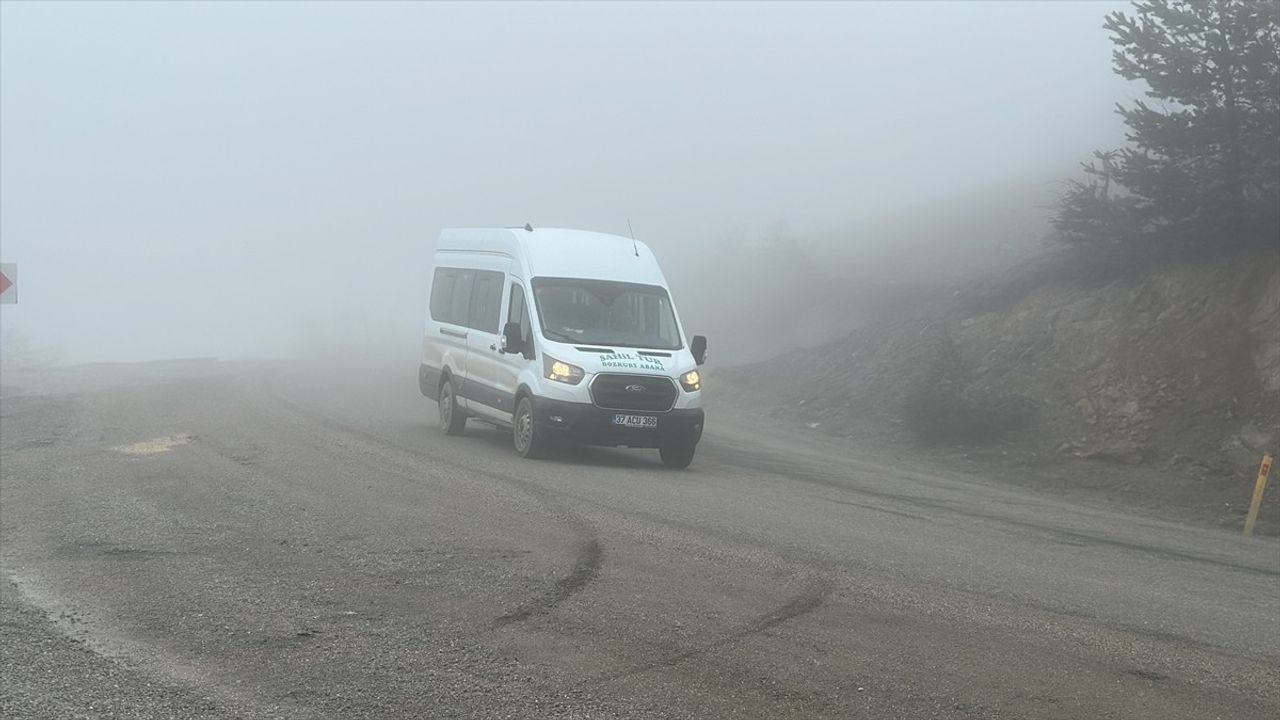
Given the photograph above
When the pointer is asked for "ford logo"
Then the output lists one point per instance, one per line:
(636, 388)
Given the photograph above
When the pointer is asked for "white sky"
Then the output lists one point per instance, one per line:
(194, 179)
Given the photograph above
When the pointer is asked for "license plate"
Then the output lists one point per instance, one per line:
(636, 421)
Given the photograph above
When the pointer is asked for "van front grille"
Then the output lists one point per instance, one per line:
(641, 393)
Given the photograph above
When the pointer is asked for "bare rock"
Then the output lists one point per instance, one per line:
(1126, 452)
(1255, 439)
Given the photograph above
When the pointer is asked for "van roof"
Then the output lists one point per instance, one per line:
(561, 252)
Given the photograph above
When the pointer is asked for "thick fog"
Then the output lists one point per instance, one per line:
(235, 179)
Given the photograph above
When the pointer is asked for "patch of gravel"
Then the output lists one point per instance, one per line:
(45, 673)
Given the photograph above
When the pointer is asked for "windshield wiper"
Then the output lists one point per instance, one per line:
(561, 336)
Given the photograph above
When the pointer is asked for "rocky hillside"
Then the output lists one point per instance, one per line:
(1176, 368)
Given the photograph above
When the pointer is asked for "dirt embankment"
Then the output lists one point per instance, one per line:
(1173, 373)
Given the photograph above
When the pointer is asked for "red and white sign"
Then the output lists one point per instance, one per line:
(8, 283)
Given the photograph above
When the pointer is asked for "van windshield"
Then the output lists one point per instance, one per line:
(605, 312)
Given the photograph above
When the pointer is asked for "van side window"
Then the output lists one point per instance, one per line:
(442, 294)
(460, 301)
(486, 301)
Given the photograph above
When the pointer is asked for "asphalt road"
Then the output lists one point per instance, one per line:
(278, 540)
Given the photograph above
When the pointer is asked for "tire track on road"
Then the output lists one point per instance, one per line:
(584, 571)
(798, 606)
(587, 560)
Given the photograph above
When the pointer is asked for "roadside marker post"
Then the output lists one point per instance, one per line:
(1264, 471)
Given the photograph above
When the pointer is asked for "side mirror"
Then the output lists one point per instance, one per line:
(512, 341)
(698, 346)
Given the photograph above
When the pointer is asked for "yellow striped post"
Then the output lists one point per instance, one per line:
(1263, 472)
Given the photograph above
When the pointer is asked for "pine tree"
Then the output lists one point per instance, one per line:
(1203, 163)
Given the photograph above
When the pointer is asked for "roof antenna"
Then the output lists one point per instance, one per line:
(528, 227)
(634, 248)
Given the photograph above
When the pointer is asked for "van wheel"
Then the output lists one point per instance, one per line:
(529, 442)
(452, 420)
(678, 456)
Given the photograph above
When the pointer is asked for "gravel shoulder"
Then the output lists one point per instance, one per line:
(47, 673)
(1154, 492)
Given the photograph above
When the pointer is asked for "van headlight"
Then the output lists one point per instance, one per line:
(691, 381)
(561, 371)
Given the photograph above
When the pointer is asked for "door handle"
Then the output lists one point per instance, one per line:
(453, 333)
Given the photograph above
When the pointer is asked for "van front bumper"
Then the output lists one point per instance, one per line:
(591, 425)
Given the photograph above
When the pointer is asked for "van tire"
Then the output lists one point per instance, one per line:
(529, 442)
(677, 456)
(452, 420)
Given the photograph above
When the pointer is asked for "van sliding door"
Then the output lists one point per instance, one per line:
(484, 356)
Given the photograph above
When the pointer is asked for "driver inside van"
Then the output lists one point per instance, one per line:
(561, 312)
